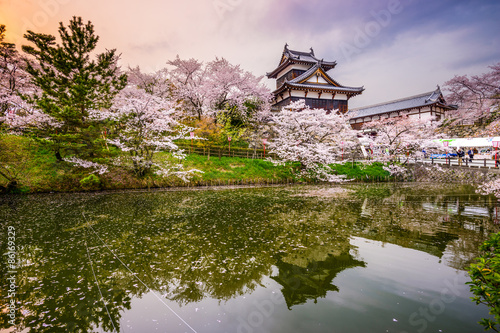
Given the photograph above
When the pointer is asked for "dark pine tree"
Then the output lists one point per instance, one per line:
(71, 85)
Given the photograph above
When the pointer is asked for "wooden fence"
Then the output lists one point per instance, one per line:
(219, 151)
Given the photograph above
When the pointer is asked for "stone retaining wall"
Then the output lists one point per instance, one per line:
(452, 174)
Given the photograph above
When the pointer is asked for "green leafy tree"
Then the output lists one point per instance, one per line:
(485, 284)
(73, 87)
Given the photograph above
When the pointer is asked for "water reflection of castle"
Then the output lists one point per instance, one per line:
(301, 284)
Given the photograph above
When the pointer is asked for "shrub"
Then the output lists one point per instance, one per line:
(361, 171)
(485, 284)
(90, 182)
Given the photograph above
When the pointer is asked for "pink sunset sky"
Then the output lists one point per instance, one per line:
(394, 48)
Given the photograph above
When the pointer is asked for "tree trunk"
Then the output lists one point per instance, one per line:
(11, 186)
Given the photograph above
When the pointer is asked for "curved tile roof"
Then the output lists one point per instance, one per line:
(296, 83)
(322, 87)
(425, 99)
(291, 56)
(306, 57)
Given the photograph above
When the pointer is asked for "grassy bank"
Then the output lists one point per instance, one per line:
(363, 172)
(37, 170)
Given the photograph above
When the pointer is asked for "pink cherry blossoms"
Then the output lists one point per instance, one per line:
(14, 80)
(99, 168)
(217, 87)
(400, 136)
(492, 187)
(145, 125)
(476, 96)
(312, 137)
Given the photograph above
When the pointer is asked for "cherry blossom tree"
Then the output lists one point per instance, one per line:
(145, 125)
(187, 79)
(312, 137)
(13, 76)
(400, 136)
(476, 96)
(491, 187)
(218, 87)
(98, 168)
(16, 116)
(156, 83)
(9, 64)
(23, 118)
(395, 170)
(492, 129)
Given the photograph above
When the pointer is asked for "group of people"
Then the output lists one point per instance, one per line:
(471, 153)
(461, 154)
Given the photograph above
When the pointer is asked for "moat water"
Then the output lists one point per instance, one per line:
(356, 258)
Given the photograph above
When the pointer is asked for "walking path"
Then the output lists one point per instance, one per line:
(475, 163)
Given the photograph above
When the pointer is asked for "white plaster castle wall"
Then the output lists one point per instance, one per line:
(293, 66)
(317, 79)
(313, 94)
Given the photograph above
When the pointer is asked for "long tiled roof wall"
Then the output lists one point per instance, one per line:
(417, 101)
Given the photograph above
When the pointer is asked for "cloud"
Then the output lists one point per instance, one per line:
(413, 64)
(421, 44)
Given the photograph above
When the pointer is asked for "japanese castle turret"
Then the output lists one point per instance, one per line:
(300, 75)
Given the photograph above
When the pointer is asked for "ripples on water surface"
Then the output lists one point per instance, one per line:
(375, 258)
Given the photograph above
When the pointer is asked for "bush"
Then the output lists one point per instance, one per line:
(90, 182)
(362, 171)
(485, 284)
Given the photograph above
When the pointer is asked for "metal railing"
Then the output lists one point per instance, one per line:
(466, 162)
(220, 151)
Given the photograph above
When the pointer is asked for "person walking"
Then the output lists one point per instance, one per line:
(470, 152)
(460, 154)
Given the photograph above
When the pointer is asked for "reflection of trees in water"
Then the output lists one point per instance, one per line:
(442, 221)
(192, 245)
(56, 289)
(185, 246)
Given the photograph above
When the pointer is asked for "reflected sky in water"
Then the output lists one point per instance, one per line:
(378, 258)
